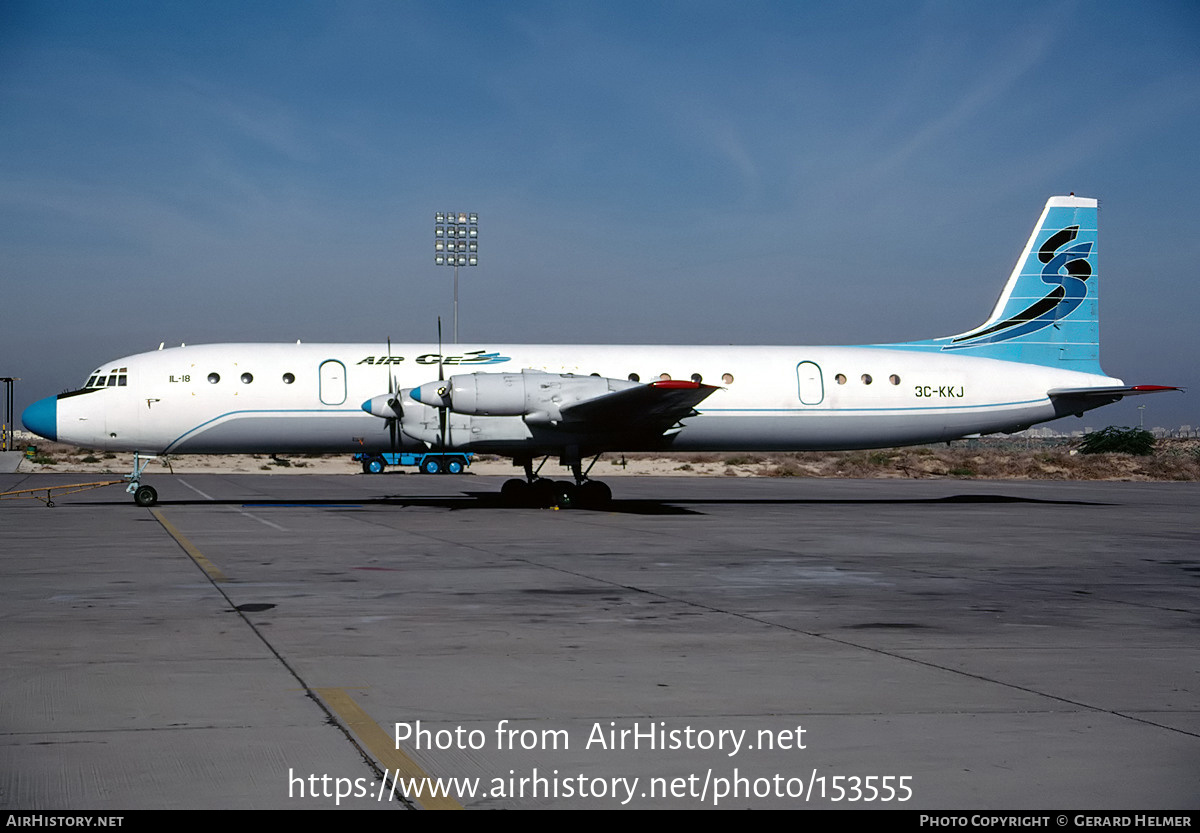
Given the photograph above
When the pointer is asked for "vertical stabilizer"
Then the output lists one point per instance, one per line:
(1048, 312)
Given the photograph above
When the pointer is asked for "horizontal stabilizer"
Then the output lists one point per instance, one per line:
(1078, 400)
(1111, 394)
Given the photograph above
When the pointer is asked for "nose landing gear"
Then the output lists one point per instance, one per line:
(142, 495)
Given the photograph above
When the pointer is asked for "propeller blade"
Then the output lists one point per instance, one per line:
(393, 400)
(391, 378)
(443, 413)
(441, 376)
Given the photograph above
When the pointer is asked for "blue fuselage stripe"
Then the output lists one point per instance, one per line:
(219, 417)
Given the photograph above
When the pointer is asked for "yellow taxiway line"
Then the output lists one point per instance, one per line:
(395, 763)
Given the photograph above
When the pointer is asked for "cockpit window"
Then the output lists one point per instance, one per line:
(117, 377)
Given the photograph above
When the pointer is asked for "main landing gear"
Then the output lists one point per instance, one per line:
(142, 495)
(543, 493)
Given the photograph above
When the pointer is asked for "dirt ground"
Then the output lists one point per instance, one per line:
(987, 458)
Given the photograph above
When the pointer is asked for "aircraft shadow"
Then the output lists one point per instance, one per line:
(655, 506)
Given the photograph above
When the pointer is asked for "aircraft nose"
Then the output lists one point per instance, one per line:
(42, 418)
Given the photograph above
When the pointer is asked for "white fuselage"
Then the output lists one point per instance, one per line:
(308, 397)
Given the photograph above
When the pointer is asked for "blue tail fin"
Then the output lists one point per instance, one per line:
(1048, 312)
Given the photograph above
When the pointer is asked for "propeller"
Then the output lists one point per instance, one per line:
(393, 401)
(443, 413)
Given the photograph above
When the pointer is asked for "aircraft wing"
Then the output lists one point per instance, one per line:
(560, 407)
(652, 409)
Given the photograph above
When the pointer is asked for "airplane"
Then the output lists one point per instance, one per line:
(1035, 359)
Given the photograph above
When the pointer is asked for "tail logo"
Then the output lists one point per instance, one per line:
(1066, 269)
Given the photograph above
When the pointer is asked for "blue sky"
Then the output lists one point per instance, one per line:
(772, 172)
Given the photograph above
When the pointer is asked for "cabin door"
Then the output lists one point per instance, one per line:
(333, 382)
(809, 384)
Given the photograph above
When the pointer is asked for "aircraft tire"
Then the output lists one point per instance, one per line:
(543, 493)
(145, 496)
(594, 495)
(515, 492)
(566, 495)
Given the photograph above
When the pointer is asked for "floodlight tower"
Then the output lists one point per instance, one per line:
(456, 243)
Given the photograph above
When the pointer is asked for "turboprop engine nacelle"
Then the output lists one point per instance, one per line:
(386, 406)
(526, 394)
